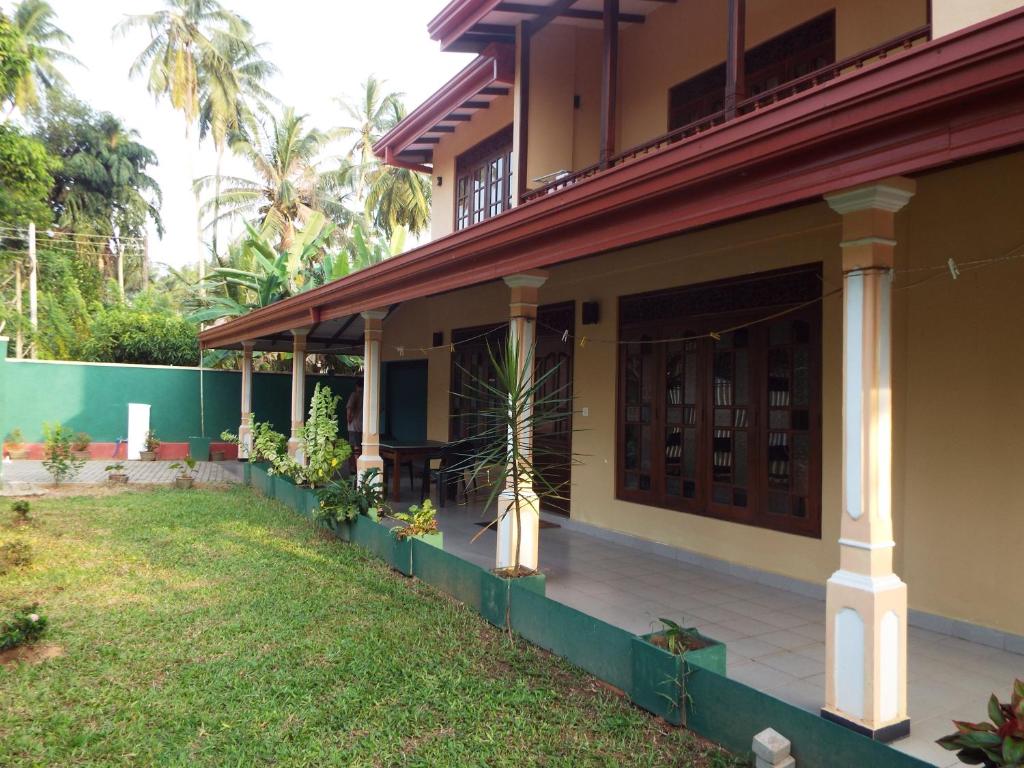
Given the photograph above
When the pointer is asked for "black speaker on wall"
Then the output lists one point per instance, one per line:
(591, 313)
(438, 338)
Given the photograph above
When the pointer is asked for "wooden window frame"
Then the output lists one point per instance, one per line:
(713, 91)
(478, 162)
(757, 489)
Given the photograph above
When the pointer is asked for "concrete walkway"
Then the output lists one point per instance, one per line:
(143, 472)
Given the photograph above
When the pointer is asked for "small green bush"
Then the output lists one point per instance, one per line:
(25, 626)
(21, 508)
(60, 461)
(14, 554)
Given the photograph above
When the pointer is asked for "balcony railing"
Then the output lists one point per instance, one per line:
(753, 104)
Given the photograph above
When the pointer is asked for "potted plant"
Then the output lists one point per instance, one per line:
(152, 445)
(80, 445)
(521, 405)
(116, 474)
(995, 744)
(420, 523)
(15, 445)
(689, 642)
(186, 472)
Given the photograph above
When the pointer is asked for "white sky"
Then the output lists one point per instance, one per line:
(324, 49)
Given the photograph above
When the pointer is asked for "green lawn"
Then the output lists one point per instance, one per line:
(216, 628)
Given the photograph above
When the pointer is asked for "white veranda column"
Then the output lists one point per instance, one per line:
(866, 603)
(244, 428)
(295, 447)
(373, 324)
(523, 330)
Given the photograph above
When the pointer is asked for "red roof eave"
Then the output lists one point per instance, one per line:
(456, 18)
(494, 65)
(958, 97)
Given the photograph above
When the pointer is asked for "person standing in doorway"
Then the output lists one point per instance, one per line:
(354, 418)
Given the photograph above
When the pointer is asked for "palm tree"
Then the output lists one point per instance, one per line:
(370, 116)
(182, 55)
(389, 197)
(228, 105)
(43, 41)
(289, 185)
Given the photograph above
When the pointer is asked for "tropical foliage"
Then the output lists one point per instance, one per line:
(288, 186)
(995, 744)
(124, 335)
(42, 45)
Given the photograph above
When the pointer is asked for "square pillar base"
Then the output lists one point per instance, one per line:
(529, 514)
(296, 449)
(365, 462)
(244, 441)
(886, 733)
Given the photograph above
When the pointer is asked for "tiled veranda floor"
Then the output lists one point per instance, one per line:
(775, 638)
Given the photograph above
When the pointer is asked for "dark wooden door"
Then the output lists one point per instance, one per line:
(553, 440)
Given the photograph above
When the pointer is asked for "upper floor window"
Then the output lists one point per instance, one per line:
(483, 186)
(803, 49)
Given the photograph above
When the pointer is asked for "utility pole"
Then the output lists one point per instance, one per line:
(33, 299)
(202, 255)
(145, 261)
(19, 302)
(120, 269)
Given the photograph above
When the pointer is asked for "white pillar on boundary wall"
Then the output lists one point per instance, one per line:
(373, 323)
(244, 427)
(866, 602)
(525, 290)
(295, 448)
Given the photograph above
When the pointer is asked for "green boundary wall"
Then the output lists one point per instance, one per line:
(693, 689)
(94, 397)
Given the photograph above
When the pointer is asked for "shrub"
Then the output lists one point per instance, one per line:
(266, 443)
(60, 462)
(80, 442)
(152, 442)
(122, 335)
(340, 500)
(15, 438)
(14, 554)
(25, 626)
(326, 453)
(21, 509)
(419, 521)
(995, 744)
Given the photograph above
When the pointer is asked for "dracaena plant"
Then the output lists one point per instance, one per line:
(995, 744)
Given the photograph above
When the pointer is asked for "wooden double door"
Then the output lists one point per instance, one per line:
(554, 359)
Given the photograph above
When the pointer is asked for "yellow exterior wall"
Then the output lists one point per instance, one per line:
(959, 420)
(951, 15)
(552, 83)
(485, 123)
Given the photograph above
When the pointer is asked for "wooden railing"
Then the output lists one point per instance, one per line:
(745, 107)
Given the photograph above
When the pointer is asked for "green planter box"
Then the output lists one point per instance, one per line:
(495, 593)
(401, 553)
(199, 448)
(260, 479)
(659, 676)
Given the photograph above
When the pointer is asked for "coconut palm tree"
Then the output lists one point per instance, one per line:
(43, 41)
(388, 197)
(181, 55)
(369, 118)
(288, 186)
(229, 105)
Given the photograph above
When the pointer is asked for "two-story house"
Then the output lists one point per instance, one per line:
(775, 248)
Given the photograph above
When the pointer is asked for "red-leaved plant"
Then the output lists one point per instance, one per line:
(998, 744)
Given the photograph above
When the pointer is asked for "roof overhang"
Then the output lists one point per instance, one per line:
(471, 25)
(410, 144)
(947, 101)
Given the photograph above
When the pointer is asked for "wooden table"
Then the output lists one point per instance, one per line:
(399, 452)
